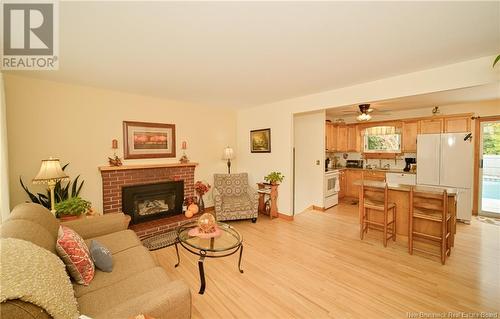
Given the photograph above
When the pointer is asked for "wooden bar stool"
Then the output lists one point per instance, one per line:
(376, 199)
(430, 205)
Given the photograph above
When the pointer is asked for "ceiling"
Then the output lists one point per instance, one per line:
(464, 95)
(240, 54)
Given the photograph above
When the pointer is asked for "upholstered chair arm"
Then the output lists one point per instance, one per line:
(217, 200)
(99, 225)
(254, 198)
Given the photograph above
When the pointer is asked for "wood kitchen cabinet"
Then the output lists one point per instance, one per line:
(374, 176)
(342, 184)
(330, 137)
(342, 137)
(431, 126)
(352, 176)
(353, 138)
(457, 124)
(409, 136)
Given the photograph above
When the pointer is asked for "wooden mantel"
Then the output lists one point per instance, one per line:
(145, 166)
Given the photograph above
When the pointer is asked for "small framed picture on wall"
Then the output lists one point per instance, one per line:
(260, 141)
(148, 140)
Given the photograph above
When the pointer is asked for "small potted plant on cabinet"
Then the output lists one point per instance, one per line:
(72, 208)
(274, 178)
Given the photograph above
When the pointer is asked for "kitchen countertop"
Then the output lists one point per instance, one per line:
(406, 188)
(400, 171)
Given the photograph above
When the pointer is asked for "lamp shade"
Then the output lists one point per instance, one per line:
(228, 153)
(50, 170)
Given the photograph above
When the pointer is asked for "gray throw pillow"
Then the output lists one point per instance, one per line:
(101, 256)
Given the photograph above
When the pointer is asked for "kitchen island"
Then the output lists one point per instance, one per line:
(400, 195)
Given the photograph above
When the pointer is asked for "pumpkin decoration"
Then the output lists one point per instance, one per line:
(188, 213)
(193, 208)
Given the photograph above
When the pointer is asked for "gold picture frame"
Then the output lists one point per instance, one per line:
(260, 141)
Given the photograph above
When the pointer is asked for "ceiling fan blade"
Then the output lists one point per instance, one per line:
(380, 111)
(350, 112)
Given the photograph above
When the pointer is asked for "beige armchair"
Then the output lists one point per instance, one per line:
(234, 198)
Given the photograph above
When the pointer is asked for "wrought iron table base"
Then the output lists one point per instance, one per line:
(203, 254)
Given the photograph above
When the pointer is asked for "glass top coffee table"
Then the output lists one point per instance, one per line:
(228, 243)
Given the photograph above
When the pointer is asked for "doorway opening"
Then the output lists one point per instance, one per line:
(489, 169)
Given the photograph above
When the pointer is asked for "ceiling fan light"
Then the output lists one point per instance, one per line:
(364, 117)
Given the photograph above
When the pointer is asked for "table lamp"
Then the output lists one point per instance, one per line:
(228, 155)
(50, 173)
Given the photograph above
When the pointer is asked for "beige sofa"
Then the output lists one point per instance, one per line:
(136, 285)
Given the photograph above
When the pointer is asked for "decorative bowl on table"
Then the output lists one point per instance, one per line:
(207, 227)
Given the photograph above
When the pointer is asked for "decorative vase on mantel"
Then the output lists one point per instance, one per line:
(201, 204)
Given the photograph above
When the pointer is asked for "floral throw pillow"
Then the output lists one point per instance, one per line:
(75, 255)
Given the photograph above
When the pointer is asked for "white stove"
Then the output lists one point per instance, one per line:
(331, 188)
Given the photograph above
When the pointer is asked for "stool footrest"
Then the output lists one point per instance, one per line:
(427, 236)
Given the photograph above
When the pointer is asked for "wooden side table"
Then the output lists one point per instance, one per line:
(268, 199)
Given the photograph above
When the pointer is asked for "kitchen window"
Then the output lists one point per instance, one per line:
(382, 139)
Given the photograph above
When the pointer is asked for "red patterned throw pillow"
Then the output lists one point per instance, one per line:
(75, 255)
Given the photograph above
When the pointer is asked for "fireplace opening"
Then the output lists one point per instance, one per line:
(153, 201)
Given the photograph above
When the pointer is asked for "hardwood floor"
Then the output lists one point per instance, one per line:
(317, 267)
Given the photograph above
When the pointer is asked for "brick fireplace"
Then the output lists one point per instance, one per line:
(115, 178)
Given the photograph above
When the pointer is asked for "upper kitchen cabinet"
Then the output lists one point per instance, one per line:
(409, 132)
(353, 138)
(330, 137)
(457, 124)
(431, 126)
(342, 138)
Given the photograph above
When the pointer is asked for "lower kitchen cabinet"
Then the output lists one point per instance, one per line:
(342, 184)
(352, 176)
(374, 176)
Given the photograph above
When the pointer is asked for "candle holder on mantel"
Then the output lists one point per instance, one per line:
(184, 159)
(115, 160)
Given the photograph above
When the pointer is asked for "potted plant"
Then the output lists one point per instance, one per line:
(72, 208)
(62, 191)
(274, 178)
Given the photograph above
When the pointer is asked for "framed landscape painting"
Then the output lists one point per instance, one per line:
(260, 141)
(148, 140)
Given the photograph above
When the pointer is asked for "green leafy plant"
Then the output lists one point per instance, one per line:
(496, 60)
(73, 206)
(274, 178)
(61, 191)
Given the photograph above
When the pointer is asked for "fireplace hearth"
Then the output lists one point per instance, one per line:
(147, 202)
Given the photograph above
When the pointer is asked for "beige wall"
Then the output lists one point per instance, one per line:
(77, 124)
(4, 167)
(279, 115)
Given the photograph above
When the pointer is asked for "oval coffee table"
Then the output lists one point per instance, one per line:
(228, 243)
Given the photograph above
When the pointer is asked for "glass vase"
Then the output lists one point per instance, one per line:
(201, 204)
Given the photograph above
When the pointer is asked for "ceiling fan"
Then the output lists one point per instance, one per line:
(364, 112)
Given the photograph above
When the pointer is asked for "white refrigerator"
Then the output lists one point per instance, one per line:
(447, 160)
